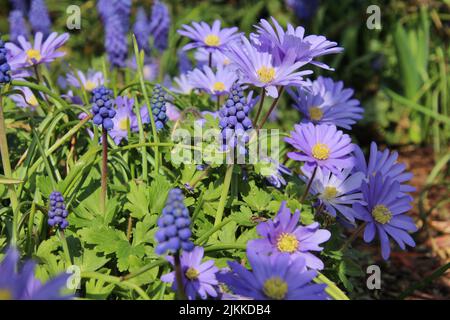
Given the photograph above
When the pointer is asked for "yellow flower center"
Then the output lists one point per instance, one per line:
(315, 113)
(32, 101)
(123, 124)
(192, 274)
(287, 242)
(266, 74)
(90, 85)
(381, 214)
(275, 288)
(5, 294)
(218, 86)
(34, 55)
(329, 193)
(212, 40)
(321, 151)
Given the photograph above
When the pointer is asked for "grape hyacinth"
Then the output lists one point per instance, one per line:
(159, 25)
(158, 105)
(39, 18)
(174, 232)
(122, 8)
(141, 31)
(234, 118)
(115, 42)
(5, 76)
(57, 213)
(21, 5)
(17, 26)
(102, 107)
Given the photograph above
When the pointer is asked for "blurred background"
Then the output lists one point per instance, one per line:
(399, 73)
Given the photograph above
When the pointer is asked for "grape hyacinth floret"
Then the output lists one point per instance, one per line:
(5, 69)
(174, 225)
(158, 105)
(39, 18)
(102, 107)
(234, 120)
(57, 213)
(17, 26)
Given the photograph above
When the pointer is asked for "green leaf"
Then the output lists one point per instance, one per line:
(8, 180)
(138, 202)
(128, 255)
(257, 198)
(158, 191)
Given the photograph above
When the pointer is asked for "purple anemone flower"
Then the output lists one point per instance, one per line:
(26, 99)
(337, 192)
(259, 68)
(218, 83)
(42, 51)
(88, 81)
(24, 285)
(384, 162)
(281, 43)
(321, 146)
(326, 101)
(199, 279)
(275, 277)
(209, 37)
(384, 213)
(283, 235)
(183, 85)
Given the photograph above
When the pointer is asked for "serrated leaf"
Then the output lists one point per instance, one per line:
(257, 198)
(138, 202)
(158, 191)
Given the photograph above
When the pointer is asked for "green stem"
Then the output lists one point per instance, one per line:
(141, 140)
(104, 171)
(144, 269)
(224, 195)
(8, 173)
(305, 194)
(117, 281)
(226, 246)
(147, 102)
(261, 104)
(272, 107)
(210, 232)
(353, 236)
(65, 248)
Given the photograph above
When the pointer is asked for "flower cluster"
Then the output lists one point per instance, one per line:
(158, 104)
(39, 18)
(17, 26)
(174, 225)
(5, 69)
(159, 25)
(57, 213)
(103, 107)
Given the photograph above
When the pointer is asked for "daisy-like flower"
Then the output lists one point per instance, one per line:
(183, 85)
(283, 235)
(337, 192)
(199, 279)
(89, 82)
(41, 51)
(275, 277)
(24, 285)
(326, 101)
(384, 162)
(259, 68)
(125, 119)
(384, 213)
(321, 146)
(209, 37)
(218, 83)
(26, 99)
(275, 40)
